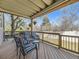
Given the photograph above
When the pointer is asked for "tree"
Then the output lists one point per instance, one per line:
(17, 22)
(32, 24)
(46, 24)
(68, 22)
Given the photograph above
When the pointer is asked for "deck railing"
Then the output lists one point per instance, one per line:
(70, 43)
(67, 42)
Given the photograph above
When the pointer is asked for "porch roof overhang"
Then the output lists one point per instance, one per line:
(32, 8)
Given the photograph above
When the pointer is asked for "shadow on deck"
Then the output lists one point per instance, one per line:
(8, 51)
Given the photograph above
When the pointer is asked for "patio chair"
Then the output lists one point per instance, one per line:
(27, 46)
(17, 39)
(34, 37)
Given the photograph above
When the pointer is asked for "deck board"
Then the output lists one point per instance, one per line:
(45, 51)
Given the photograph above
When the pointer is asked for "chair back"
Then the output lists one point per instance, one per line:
(17, 39)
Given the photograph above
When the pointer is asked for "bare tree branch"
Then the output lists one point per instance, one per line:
(16, 18)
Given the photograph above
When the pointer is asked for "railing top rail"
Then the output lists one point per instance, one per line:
(70, 36)
(50, 33)
(47, 32)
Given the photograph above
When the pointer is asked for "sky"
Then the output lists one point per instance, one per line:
(53, 16)
(56, 14)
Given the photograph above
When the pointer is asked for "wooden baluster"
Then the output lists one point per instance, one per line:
(75, 42)
(42, 37)
(70, 43)
(78, 44)
(67, 42)
(62, 42)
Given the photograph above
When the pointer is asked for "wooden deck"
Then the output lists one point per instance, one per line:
(8, 51)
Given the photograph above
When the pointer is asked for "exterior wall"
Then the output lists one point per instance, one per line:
(1, 28)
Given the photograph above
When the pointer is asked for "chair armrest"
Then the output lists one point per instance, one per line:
(36, 41)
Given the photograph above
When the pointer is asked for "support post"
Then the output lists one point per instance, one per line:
(3, 28)
(42, 37)
(31, 26)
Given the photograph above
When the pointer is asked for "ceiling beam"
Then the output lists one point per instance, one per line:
(54, 7)
(16, 14)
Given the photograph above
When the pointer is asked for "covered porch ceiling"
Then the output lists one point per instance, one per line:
(32, 8)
